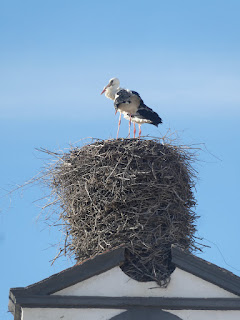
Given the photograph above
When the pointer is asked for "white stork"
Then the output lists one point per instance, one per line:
(131, 105)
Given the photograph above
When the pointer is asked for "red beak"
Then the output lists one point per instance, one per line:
(103, 90)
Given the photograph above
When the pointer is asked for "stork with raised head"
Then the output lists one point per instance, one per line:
(131, 105)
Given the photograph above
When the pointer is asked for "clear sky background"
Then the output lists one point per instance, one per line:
(183, 57)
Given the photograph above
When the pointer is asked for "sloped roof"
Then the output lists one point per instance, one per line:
(38, 294)
(206, 270)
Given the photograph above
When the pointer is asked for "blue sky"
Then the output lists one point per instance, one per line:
(183, 57)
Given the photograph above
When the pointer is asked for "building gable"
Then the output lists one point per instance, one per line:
(99, 283)
(115, 283)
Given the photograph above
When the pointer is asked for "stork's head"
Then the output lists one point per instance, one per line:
(111, 86)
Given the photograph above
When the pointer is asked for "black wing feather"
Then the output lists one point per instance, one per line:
(144, 112)
(123, 96)
(136, 93)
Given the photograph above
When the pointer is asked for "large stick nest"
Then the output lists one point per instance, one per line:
(131, 192)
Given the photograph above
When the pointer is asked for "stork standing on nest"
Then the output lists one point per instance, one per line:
(131, 105)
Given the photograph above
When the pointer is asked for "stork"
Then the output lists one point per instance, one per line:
(131, 105)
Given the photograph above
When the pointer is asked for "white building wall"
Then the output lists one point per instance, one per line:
(116, 283)
(104, 314)
(68, 314)
(206, 315)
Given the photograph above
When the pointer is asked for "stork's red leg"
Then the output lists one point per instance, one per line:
(134, 130)
(119, 122)
(140, 131)
(130, 119)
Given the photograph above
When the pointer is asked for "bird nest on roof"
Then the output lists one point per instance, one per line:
(132, 192)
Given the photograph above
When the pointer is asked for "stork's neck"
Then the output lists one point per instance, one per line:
(111, 91)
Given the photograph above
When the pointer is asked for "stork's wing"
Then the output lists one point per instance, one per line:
(146, 114)
(137, 94)
(127, 101)
(122, 96)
